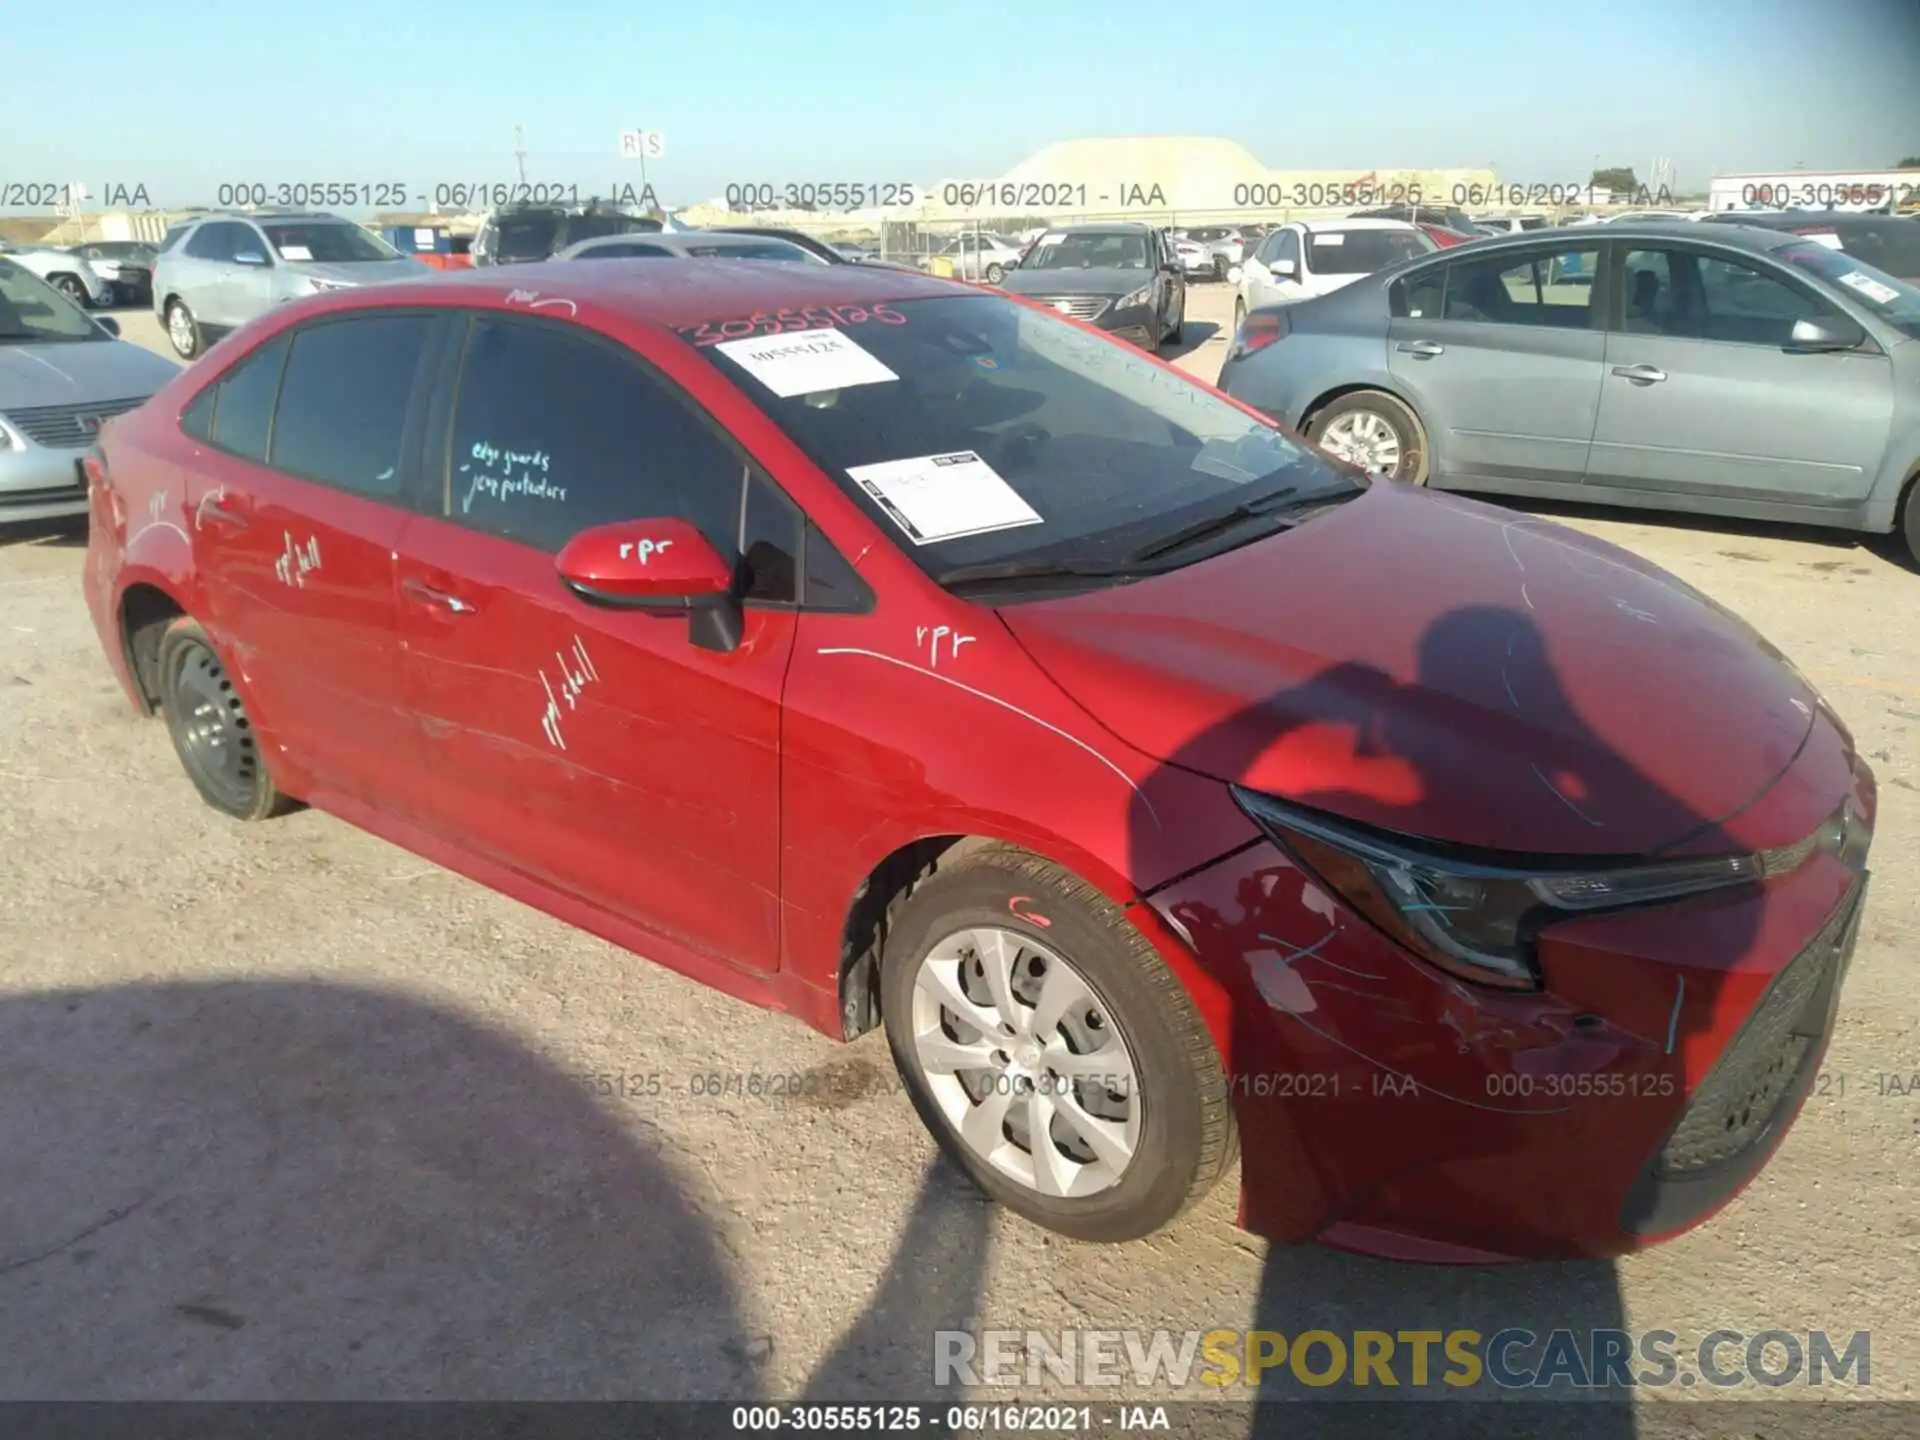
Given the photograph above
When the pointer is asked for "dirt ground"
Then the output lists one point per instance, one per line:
(287, 1112)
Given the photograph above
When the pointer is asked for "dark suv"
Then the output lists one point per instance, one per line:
(521, 234)
(1886, 242)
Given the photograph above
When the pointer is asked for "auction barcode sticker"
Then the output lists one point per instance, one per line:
(943, 497)
(805, 362)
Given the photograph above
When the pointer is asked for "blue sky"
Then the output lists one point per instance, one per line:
(183, 97)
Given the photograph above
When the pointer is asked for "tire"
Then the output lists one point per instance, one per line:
(1239, 315)
(211, 731)
(1129, 1012)
(1366, 411)
(995, 274)
(1176, 329)
(1910, 523)
(183, 331)
(70, 286)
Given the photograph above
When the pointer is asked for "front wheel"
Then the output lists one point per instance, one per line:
(70, 286)
(1239, 315)
(183, 331)
(1910, 527)
(1376, 432)
(1050, 1050)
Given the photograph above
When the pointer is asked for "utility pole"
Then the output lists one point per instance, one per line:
(520, 154)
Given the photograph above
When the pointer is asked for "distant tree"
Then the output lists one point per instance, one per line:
(1619, 179)
(1912, 162)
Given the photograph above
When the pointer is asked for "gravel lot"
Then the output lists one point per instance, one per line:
(286, 1112)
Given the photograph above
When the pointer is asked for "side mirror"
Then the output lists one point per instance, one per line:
(108, 324)
(1824, 334)
(665, 566)
(1284, 267)
(1234, 272)
(249, 257)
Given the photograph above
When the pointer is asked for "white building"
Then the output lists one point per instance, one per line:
(1815, 190)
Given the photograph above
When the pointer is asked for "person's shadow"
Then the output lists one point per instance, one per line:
(280, 1190)
(1303, 1004)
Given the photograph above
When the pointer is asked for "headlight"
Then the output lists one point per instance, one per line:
(316, 284)
(1138, 297)
(1477, 920)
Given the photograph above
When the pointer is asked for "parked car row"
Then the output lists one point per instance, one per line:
(1014, 692)
(1744, 370)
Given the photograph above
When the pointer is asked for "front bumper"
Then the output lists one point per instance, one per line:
(37, 483)
(1386, 1107)
(1135, 323)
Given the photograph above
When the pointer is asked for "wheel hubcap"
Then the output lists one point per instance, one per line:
(1022, 1059)
(216, 738)
(1364, 438)
(180, 328)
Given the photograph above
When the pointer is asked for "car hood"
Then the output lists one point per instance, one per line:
(364, 272)
(1096, 281)
(1444, 669)
(73, 372)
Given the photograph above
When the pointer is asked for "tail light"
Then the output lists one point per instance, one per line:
(1260, 329)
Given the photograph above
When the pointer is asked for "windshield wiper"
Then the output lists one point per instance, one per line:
(996, 570)
(1215, 524)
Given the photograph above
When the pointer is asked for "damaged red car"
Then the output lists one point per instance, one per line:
(892, 652)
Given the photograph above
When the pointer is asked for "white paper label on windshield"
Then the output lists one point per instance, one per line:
(805, 362)
(1330, 237)
(943, 497)
(295, 252)
(1826, 238)
(1870, 287)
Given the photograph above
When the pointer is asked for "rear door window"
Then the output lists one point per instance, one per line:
(214, 242)
(344, 400)
(243, 415)
(1553, 290)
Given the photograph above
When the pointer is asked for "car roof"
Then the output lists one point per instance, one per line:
(1736, 237)
(1798, 219)
(666, 292)
(680, 240)
(262, 217)
(1330, 227)
(1111, 227)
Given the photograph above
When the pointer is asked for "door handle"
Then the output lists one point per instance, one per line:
(424, 594)
(1641, 374)
(1421, 349)
(216, 507)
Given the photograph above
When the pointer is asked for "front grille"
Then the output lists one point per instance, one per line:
(1080, 307)
(69, 427)
(46, 495)
(1735, 1104)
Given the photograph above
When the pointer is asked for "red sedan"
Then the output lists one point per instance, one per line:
(891, 651)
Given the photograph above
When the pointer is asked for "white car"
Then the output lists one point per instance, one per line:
(1195, 258)
(1306, 258)
(72, 275)
(980, 255)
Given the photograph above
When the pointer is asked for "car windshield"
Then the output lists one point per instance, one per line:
(1894, 300)
(592, 227)
(1361, 252)
(527, 237)
(982, 431)
(756, 250)
(1891, 246)
(1087, 252)
(331, 243)
(32, 312)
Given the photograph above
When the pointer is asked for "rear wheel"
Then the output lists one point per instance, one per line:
(1049, 1049)
(995, 274)
(1376, 432)
(70, 286)
(211, 730)
(1910, 525)
(183, 331)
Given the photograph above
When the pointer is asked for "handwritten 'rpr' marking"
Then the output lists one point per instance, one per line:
(642, 550)
(931, 638)
(572, 682)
